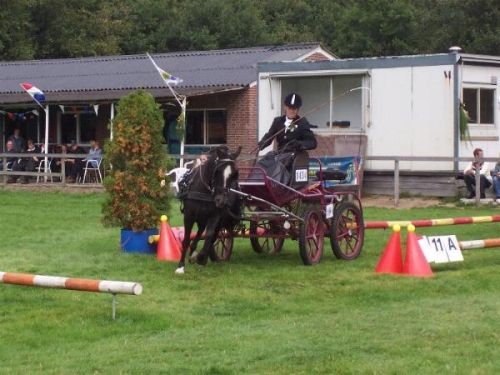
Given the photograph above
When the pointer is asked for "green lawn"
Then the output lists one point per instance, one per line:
(257, 314)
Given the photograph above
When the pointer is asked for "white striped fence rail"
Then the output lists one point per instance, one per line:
(84, 285)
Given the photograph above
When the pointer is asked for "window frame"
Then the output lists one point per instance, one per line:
(205, 126)
(479, 107)
(78, 126)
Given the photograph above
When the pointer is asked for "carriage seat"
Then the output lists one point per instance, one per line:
(300, 170)
(289, 168)
(333, 171)
(332, 175)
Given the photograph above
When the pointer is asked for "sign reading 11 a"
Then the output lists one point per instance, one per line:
(441, 249)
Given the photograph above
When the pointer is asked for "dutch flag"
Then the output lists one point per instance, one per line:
(37, 94)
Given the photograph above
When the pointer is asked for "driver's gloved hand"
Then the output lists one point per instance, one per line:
(294, 145)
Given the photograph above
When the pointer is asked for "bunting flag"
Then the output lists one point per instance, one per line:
(167, 77)
(20, 115)
(61, 107)
(96, 109)
(181, 100)
(37, 94)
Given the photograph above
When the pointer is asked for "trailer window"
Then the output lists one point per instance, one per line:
(480, 103)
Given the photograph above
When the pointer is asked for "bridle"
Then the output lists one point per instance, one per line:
(211, 185)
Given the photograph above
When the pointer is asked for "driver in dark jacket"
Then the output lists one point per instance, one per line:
(292, 132)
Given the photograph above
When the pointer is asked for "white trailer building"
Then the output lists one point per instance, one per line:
(407, 106)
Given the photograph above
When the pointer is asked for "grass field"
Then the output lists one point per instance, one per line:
(257, 314)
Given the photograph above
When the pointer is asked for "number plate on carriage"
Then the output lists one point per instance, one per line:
(301, 175)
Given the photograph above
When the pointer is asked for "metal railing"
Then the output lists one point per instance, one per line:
(395, 159)
(46, 173)
(398, 159)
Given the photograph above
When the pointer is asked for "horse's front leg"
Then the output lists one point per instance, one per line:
(188, 227)
(193, 254)
(202, 257)
(197, 238)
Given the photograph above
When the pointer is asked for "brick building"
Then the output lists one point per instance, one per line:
(81, 94)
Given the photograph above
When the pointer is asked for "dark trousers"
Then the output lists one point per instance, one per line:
(470, 182)
(24, 164)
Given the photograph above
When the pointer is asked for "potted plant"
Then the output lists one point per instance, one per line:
(136, 161)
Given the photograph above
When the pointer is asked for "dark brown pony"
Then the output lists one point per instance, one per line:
(208, 201)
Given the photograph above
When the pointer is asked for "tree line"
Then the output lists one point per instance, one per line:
(43, 29)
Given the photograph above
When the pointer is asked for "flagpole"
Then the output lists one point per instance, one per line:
(112, 117)
(46, 142)
(182, 104)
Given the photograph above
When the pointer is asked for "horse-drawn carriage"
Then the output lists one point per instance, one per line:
(315, 199)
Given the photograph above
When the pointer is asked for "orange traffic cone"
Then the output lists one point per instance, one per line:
(391, 260)
(168, 247)
(415, 262)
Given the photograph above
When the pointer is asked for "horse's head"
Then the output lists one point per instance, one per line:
(224, 174)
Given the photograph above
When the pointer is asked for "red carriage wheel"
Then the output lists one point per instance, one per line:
(223, 247)
(264, 243)
(311, 237)
(347, 232)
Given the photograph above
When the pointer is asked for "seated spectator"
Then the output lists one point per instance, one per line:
(57, 165)
(74, 164)
(470, 175)
(95, 153)
(18, 140)
(26, 163)
(9, 149)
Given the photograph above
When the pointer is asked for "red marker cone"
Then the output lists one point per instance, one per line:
(391, 260)
(415, 262)
(168, 247)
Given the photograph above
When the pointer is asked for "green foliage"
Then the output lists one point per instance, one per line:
(348, 28)
(16, 30)
(464, 124)
(137, 163)
(76, 28)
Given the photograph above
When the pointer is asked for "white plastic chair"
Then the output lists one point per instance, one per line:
(93, 168)
(41, 170)
(177, 175)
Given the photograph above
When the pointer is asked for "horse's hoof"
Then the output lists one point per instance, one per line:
(193, 258)
(202, 260)
(179, 271)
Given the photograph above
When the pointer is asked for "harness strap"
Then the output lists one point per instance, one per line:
(196, 195)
